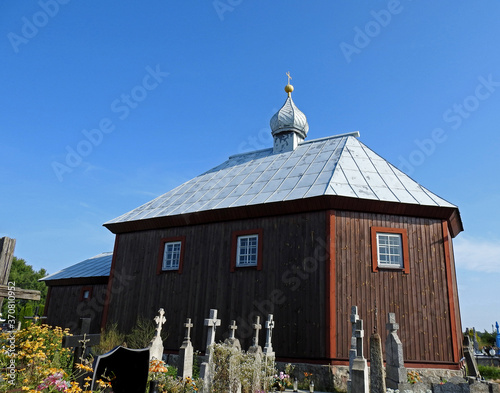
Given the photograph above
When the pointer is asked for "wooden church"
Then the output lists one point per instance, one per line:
(303, 230)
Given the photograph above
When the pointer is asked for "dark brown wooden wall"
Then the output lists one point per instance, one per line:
(65, 307)
(419, 299)
(290, 285)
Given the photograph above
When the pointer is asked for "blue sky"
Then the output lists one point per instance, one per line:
(106, 105)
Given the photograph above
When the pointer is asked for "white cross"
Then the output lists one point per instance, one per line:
(257, 326)
(188, 325)
(233, 328)
(212, 322)
(160, 320)
(269, 326)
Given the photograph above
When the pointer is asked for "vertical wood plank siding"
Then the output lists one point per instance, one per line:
(67, 298)
(291, 284)
(419, 299)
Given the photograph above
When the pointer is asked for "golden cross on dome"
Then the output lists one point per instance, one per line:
(289, 77)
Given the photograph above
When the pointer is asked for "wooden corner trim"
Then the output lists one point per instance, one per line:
(331, 309)
(451, 298)
(104, 319)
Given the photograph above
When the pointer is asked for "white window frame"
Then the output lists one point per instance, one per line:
(171, 256)
(392, 253)
(242, 253)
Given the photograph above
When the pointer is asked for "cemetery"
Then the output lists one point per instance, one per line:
(52, 359)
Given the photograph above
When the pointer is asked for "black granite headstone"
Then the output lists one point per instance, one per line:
(127, 369)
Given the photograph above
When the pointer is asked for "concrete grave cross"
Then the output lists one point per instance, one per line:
(233, 328)
(268, 349)
(212, 322)
(160, 320)
(188, 325)
(257, 327)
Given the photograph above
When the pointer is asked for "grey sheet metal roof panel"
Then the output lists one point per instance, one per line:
(98, 266)
(339, 165)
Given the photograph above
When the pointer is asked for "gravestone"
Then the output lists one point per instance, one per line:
(352, 351)
(359, 376)
(377, 380)
(470, 359)
(81, 343)
(212, 322)
(268, 348)
(127, 368)
(185, 362)
(256, 348)
(156, 345)
(395, 370)
(232, 341)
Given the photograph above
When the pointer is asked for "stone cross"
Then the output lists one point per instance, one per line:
(188, 325)
(212, 322)
(80, 343)
(156, 345)
(160, 320)
(232, 341)
(233, 328)
(395, 369)
(352, 351)
(268, 348)
(256, 326)
(185, 362)
(359, 373)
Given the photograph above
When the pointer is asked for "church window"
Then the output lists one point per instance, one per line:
(389, 249)
(247, 249)
(171, 255)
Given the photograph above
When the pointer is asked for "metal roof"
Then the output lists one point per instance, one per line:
(98, 266)
(338, 165)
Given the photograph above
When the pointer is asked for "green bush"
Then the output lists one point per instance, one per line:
(489, 372)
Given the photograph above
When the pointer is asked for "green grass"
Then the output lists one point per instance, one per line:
(489, 372)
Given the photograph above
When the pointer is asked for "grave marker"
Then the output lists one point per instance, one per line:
(186, 353)
(255, 348)
(128, 369)
(359, 378)
(156, 346)
(395, 369)
(232, 340)
(212, 322)
(352, 351)
(81, 343)
(268, 348)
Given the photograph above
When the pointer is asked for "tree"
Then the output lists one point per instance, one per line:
(26, 277)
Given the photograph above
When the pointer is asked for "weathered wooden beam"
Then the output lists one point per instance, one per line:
(7, 246)
(26, 294)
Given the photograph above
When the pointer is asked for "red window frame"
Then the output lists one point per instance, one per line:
(234, 248)
(159, 267)
(404, 239)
